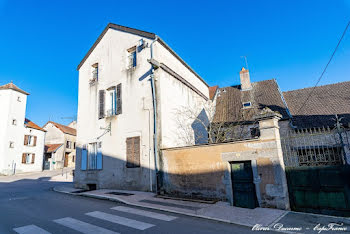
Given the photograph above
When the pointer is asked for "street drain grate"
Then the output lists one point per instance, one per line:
(121, 194)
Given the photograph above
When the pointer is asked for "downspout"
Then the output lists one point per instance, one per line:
(154, 100)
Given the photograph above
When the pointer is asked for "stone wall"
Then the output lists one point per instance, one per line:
(204, 171)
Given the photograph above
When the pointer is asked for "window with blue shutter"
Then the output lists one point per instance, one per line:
(99, 158)
(83, 159)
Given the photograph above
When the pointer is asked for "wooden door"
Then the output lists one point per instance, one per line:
(243, 188)
(66, 159)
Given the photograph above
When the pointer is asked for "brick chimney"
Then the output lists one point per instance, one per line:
(245, 79)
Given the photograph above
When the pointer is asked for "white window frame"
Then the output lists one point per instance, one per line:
(111, 102)
(30, 140)
(29, 158)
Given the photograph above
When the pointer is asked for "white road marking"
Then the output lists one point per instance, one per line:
(120, 220)
(144, 213)
(83, 227)
(30, 229)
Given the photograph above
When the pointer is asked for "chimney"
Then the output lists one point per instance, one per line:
(245, 79)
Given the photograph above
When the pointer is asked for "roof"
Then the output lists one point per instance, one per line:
(320, 109)
(229, 107)
(13, 87)
(63, 128)
(49, 148)
(212, 91)
(142, 34)
(31, 124)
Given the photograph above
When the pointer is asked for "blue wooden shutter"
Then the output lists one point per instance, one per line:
(115, 101)
(134, 59)
(83, 159)
(99, 159)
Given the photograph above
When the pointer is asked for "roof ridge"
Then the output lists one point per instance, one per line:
(337, 83)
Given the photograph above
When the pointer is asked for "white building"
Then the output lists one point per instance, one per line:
(131, 85)
(22, 141)
(59, 146)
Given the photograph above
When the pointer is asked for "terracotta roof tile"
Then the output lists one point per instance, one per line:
(49, 148)
(30, 124)
(64, 128)
(13, 87)
(212, 91)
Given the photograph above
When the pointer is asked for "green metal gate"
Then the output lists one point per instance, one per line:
(324, 190)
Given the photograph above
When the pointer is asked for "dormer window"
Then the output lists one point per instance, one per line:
(132, 62)
(247, 104)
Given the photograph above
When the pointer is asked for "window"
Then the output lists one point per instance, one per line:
(14, 122)
(19, 99)
(74, 145)
(133, 152)
(95, 72)
(28, 158)
(255, 132)
(30, 140)
(247, 104)
(91, 157)
(69, 144)
(114, 101)
(12, 144)
(132, 57)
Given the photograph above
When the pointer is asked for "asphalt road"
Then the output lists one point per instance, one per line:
(30, 206)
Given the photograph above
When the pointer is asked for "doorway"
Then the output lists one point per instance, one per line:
(66, 159)
(243, 187)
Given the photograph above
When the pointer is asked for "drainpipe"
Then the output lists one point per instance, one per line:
(154, 118)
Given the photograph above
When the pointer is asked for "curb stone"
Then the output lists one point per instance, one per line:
(101, 197)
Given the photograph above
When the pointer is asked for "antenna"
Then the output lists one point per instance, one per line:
(246, 62)
(74, 117)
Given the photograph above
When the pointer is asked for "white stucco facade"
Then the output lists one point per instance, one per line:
(137, 115)
(12, 134)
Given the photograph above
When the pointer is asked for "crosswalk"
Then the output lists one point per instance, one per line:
(88, 228)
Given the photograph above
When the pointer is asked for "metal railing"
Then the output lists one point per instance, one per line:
(315, 147)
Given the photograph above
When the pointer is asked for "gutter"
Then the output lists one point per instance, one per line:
(155, 130)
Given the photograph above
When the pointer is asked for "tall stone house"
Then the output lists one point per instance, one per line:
(22, 141)
(131, 84)
(60, 144)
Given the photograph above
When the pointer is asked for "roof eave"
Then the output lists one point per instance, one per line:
(116, 27)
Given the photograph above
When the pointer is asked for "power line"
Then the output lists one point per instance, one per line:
(324, 70)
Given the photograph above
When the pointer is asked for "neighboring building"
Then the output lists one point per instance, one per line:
(22, 147)
(60, 143)
(131, 84)
(306, 127)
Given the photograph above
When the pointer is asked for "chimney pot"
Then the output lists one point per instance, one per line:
(245, 79)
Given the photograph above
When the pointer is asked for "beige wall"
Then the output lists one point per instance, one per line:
(204, 171)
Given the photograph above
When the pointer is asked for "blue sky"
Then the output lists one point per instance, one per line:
(42, 42)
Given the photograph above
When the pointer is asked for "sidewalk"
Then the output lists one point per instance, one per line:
(36, 175)
(220, 211)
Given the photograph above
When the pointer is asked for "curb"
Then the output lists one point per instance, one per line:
(101, 197)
